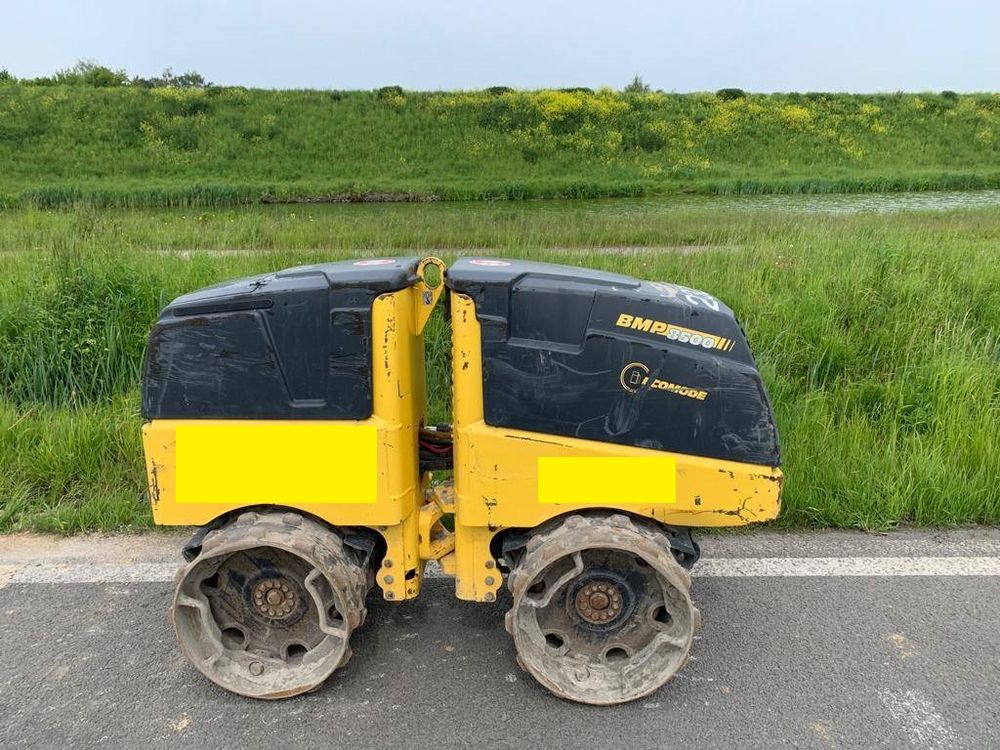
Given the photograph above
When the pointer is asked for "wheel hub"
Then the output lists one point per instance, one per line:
(253, 612)
(599, 602)
(601, 609)
(274, 598)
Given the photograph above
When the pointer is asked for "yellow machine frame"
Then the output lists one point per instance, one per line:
(199, 470)
(497, 482)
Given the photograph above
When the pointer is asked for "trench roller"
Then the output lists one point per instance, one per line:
(596, 419)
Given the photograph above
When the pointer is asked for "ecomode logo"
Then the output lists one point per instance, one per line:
(635, 376)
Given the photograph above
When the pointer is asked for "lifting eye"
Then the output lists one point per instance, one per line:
(428, 290)
(432, 275)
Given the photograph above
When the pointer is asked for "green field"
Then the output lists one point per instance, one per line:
(133, 146)
(878, 336)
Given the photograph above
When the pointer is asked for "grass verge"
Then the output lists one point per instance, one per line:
(135, 147)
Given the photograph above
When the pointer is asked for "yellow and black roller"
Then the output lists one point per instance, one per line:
(597, 418)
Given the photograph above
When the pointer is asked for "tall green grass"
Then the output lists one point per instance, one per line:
(878, 336)
(67, 469)
(136, 147)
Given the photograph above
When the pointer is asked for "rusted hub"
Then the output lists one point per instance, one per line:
(274, 598)
(599, 602)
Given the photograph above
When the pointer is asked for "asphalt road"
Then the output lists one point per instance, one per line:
(812, 661)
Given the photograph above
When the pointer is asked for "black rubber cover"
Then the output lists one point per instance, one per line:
(557, 359)
(296, 344)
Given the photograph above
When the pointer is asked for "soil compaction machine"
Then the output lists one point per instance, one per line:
(597, 418)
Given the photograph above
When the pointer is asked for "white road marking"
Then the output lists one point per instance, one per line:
(724, 567)
(919, 721)
(798, 567)
(96, 573)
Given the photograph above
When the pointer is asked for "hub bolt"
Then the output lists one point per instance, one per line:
(599, 602)
(273, 597)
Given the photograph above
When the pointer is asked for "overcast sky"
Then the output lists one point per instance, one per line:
(768, 45)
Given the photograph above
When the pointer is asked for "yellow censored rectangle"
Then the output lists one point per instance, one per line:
(281, 463)
(643, 480)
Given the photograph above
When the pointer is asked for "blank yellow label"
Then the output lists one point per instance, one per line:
(644, 480)
(276, 462)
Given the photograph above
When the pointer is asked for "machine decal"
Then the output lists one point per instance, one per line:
(675, 332)
(635, 376)
(694, 297)
(593, 480)
(275, 462)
